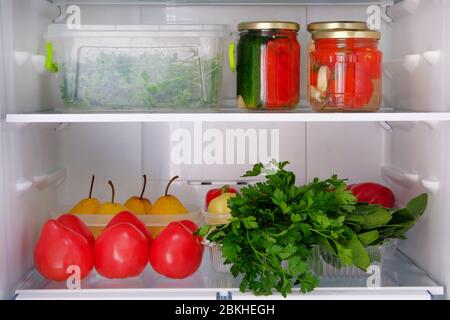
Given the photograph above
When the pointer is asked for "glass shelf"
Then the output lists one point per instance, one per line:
(227, 2)
(400, 279)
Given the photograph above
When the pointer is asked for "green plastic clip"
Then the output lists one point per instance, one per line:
(231, 53)
(49, 64)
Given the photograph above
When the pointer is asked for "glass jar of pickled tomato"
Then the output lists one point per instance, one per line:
(345, 68)
(268, 65)
(337, 25)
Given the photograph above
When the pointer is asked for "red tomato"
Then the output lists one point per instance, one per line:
(373, 193)
(121, 251)
(373, 63)
(214, 193)
(350, 79)
(333, 86)
(176, 252)
(314, 77)
(129, 217)
(75, 224)
(191, 226)
(363, 86)
(59, 248)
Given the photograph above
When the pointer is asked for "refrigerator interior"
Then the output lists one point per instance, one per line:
(44, 166)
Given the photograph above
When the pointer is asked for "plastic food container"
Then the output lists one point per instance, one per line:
(137, 68)
(155, 223)
(218, 261)
(216, 219)
(345, 68)
(215, 250)
(326, 265)
(268, 65)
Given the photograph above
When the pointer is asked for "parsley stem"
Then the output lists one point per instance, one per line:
(258, 254)
(321, 234)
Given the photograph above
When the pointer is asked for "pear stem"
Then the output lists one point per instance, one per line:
(143, 188)
(92, 186)
(113, 191)
(168, 185)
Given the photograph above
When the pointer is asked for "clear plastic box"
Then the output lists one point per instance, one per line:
(327, 265)
(138, 68)
(216, 219)
(218, 261)
(215, 250)
(155, 223)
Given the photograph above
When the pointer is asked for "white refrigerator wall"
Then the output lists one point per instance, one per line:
(27, 151)
(419, 71)
(123, 152)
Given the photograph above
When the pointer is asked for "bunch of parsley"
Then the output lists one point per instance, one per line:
(276, 225)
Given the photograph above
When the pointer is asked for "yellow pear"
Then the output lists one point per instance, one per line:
(219, 205)
(89, 205)
(168, 204)
(111, 208)
(139, 205)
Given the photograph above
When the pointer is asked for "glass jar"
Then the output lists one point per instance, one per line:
(345, 69)
(329, 26)
(337, 25)
(268, 65)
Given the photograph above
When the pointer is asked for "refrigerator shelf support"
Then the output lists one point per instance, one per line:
(386, 126)
(54, 178)
(403, 9)
(431, 185)
(23, 185)
(432, 57)
(403, 126)
(397, 176)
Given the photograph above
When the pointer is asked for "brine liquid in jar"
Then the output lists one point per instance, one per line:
(345, 71)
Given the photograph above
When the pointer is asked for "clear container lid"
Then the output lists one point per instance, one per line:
(150, 220)
(162, 30)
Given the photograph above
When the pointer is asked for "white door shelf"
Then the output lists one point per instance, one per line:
(400, 279)
(226, 115)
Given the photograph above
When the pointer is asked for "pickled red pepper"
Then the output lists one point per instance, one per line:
(283, 82)
(268, 69)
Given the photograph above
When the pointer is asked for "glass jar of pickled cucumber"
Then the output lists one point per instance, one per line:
(344, 70)
(268, 65)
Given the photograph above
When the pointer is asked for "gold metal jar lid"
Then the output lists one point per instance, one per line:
(337, 25)
(346, 34)
(268, 25)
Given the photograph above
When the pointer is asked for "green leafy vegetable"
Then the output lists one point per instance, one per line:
(277, 227)
(141, 78)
